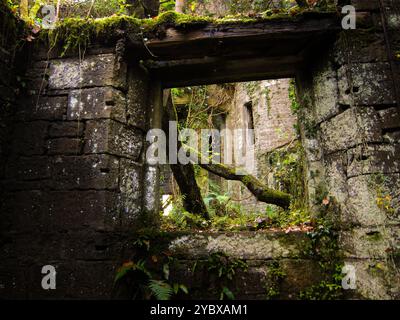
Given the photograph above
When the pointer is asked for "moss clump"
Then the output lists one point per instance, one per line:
(325, 248)
(287, 165)
(275, 277)
(12, 28)
(72, 33)
(172, 18)
(224, 269)
(374, 236)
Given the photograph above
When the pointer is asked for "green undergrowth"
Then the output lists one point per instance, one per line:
(226, 213)
(153, 272)
(226, 216)
(324, 248)
(146, 275)
(12, 29)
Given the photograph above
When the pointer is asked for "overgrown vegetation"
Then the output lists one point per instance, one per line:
(224, 268)
(325, 249)
(197, 108)
(229, 215)
(330, 289)
(80, 22)
(155, 272)
(148, 276)
(275, 276)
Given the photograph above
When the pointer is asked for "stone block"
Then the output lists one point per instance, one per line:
(393, 18)
(29, 168)
(70, 129)
(390, 118)
(38, 69)
(66, 146)
(14, 282)
(77, 210)
(96, 243)
(131, 185)
(375, 279)
(137, 98)
(335, 172)
(365, 5)
(93, 71)
(259, 246)
(371, 159)
(87, 279)
(29, 138)
(361, 46)
(96, 103)
(312, 149)
(25, 211)
(315, 177)
(325, 94)
(350, 128)
(372, 84)
(43, 108)
(112, 137)
(369, 243)
(364, 194)
(19, 185)
(97, 172)
(38, 84)
(301, 274)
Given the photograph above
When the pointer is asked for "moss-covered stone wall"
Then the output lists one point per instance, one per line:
(350, 126)
(74, 173)
(75, 182)
(12, 32)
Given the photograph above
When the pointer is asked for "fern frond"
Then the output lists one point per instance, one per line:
(161, 290)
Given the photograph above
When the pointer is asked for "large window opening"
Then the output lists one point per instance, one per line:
(253, 121)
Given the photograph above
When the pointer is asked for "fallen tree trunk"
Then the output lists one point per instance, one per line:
(184, 174)
(185, 178)
(255, 186)
(192, 200)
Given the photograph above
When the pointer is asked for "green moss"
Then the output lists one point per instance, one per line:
(294, 105)
(276, 274)
(328, 289)
(72, 33)
(12, 28)
(268, 100)
(374, 236)
(288, 165)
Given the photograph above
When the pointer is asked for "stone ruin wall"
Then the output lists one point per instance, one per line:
(69, 191)
(274, 128)
(74, 176)
(350, 124)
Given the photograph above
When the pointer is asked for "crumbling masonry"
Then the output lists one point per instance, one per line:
(74, 182)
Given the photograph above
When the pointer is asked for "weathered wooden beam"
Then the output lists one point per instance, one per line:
(218, 70)
(233, 52)
(233, 39)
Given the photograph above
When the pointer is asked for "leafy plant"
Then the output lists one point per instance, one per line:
(225, 268)
(295, 106)
(143, 242)
(129, 267)
(225, 292)
(161, 290)
(275, 274)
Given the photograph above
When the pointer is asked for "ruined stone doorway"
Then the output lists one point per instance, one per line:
(349, 129)
(265, 108)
